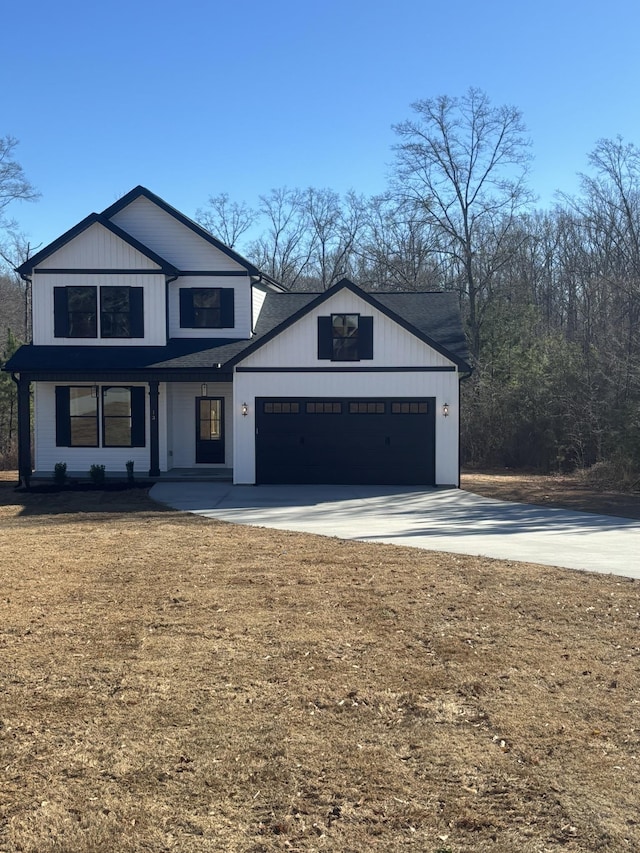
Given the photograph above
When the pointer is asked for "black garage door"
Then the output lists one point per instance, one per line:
(388, 441)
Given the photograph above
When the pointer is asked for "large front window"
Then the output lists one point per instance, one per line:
(94, 416)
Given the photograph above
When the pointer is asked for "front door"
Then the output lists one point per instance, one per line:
(209, 429)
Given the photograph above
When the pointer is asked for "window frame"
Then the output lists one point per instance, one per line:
(63, 321)
(137, 415)
(326, 338)
(134, 313)
(225, 309)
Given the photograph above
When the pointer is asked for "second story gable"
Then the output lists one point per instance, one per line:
(139, 274)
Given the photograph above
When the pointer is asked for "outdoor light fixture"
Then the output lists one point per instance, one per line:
(203, 390)
(245, 410)
(445, 410)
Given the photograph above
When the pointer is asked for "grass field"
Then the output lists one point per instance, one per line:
(170, 683)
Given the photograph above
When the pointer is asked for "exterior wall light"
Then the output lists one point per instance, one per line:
(445, 410)
(203, 390)
(245, 410)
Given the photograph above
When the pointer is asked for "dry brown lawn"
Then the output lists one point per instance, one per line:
(170, 683)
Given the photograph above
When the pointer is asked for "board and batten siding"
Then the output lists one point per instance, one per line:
(332, 385)
(153, 284)
(181, 401)
(393, 346)
(98, 248)
(170, 239)
(80, 459)
(242, 306)
(257, 296)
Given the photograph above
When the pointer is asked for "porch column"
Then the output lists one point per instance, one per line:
(24, 429)
(154, 431)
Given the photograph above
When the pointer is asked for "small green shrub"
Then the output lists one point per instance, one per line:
(96, 472)
(60, 473)
(130, 477)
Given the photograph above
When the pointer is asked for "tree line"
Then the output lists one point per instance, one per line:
(550, 297)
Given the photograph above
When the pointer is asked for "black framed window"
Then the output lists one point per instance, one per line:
(121, 312)
(75, 312)
(76, 416)
(345, 337)
(116, 417)
(206, 308)
(80, 410)
(344, 329)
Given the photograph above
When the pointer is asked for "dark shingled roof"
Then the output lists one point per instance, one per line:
(434, 317)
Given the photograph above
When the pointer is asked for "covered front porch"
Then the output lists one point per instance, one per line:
(180, 428)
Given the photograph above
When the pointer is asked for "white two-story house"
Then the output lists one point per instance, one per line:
(156, 343)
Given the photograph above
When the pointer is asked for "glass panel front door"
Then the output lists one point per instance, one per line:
(209, 429)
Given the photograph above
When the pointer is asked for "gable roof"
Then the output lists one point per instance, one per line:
(29, 265)
(143, 192)
(433, 317)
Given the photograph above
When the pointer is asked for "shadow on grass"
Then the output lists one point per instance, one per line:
(80, 501)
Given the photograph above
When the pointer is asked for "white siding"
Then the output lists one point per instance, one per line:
(155, 332)
(393, 346)
(258, 296)
(170, 239)
(80, 459)
(98, 248)
(182, 423)
(242, 306)
(443, 386)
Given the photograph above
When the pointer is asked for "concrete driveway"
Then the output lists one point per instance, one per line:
(436, 519)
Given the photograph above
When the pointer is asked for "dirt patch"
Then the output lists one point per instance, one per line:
(567, 491)
(172, 683)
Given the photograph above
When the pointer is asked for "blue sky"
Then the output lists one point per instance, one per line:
(196, 98)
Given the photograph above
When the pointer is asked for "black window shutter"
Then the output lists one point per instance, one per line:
(138, 402)
(63, 417)
(60, 313)
(227, 313)
(365, 337)
(186, 308)
(136, 311)
(325, 338)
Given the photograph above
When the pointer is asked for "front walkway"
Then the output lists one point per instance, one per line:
(435, 519)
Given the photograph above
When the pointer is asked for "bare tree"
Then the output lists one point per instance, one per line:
(284, 250)
(226, 220)
(13, 182)
(463, 163)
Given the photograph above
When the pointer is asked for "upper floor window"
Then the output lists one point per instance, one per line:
(206, 308)
(75, 311)
(120, 317)
(345, 337)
